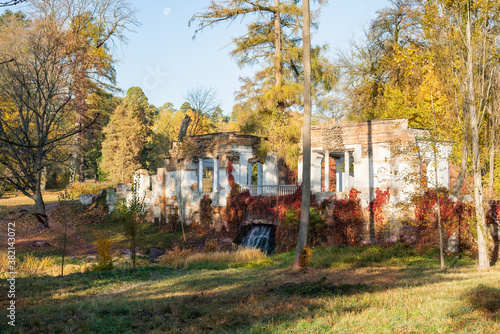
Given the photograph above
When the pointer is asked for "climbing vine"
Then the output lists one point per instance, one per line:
(345, 219)
(376, 207)
(456, 219)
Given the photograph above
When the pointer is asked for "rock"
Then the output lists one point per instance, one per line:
(91, 257)
(73, 258)
(227, 240)
(452, 245)
(40, 243)
(86, 199)
(125, 251)
(155, 252)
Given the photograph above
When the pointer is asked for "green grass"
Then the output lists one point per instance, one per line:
(392, 255)
(157, 299)
(371, 289)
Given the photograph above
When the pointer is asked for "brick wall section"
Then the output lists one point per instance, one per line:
(213, 145)
(364, 133)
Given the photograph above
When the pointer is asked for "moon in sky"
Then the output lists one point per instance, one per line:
(167, 11)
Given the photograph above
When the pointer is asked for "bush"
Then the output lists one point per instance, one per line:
(104, 259)
(456, 217)
(305, 257)
(132, 218)
(87, 188)
(206, 213)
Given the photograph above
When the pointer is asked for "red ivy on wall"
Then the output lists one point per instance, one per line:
(376, 206)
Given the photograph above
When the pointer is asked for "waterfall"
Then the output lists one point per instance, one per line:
(261, 237)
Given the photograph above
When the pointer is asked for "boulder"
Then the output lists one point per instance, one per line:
(155, 252)
(40, 243)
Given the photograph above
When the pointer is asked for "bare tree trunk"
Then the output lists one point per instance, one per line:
(278, 61)
(476, 167)
(306, 135)
(438, 200)
(77, 172)
(491, 180)
(40, 214)
(460, 180)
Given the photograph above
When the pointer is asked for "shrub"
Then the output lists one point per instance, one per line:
(173, 220)
(132, 217)
(376, 206)
(206, 213)
(456, 217)
(81, 188)
(305, 257)
(104, 259)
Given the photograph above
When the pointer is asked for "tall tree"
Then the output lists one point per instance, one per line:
(36, 88)
(95, 26)
(273, 41)
(306, 135)
(125, 137)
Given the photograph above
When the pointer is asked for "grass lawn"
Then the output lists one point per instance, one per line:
(388, 294)
(10, 200)
(366, 289)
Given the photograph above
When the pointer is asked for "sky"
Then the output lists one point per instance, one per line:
(164, 60)
(162, 57)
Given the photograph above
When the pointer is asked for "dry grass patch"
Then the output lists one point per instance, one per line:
(185, 258)
(10, 200)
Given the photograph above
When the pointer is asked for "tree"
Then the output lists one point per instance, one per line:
(11, 3)
(273, 41)
(36, 88)
(275, 93)
(306, 134)
(125, 137)
(203, 103)
(94, 27)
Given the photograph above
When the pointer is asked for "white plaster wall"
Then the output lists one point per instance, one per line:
(241, 173)
(270, 170)
(443, 152)
(317, 157)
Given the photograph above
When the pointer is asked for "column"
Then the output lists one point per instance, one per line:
(339, 162)
(259, 177)
(200, 176)
(327, 171)
(215, 186)
(347, 165)
(249, 173)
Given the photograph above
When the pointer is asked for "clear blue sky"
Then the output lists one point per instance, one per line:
(165, 61)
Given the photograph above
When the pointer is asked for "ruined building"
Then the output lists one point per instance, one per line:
(364, 155)
(376, 154)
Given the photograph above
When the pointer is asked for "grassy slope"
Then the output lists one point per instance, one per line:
(372, 289)
(397, 299)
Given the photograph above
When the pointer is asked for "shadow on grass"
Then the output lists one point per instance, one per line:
(230, 303)
(484, 299)
(167, 300)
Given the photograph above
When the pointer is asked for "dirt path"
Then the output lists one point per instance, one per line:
(28, 233)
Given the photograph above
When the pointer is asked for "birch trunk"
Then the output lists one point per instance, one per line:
(475, 154)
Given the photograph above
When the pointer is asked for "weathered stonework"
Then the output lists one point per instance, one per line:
(180, 184)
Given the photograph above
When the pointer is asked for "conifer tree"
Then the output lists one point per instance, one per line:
(125, 137)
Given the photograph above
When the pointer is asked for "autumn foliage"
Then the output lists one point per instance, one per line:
(456, 218)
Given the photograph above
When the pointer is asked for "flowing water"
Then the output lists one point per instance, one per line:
(261, 237)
